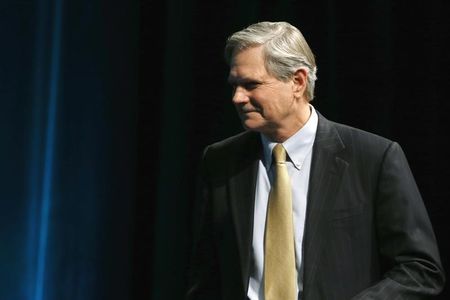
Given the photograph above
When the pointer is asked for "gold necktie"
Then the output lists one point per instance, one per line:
(280, 274)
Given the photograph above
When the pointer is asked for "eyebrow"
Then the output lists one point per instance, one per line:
(236, 80)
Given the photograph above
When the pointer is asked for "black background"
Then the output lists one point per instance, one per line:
(382, 66)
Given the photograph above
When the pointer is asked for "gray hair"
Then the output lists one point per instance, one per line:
(285, 50)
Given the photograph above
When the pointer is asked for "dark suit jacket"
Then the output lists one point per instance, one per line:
(367, 232)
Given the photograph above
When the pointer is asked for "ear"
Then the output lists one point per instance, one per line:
(300, 80)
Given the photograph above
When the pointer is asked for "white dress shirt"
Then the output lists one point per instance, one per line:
(298, 160)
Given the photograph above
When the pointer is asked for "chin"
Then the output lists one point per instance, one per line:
(253, 125)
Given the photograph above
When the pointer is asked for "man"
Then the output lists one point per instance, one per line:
(352, 225)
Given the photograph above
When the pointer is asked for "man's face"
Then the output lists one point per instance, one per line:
(264, 103)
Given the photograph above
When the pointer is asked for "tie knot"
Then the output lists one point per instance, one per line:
(279, 153)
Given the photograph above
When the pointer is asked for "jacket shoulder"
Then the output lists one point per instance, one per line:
(232, 151)
(362, 140)
(232, 144)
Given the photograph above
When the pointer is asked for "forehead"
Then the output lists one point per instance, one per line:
(248, 63)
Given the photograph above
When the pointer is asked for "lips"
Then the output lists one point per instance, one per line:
(246, 111)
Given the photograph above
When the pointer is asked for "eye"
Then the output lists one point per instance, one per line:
(246, 85)
(250, 85)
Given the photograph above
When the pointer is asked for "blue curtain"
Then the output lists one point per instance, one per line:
(67, 122)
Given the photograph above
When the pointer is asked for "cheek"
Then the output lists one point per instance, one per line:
(277, 111)
(263, 101)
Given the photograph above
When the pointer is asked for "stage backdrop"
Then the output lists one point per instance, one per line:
(68, 93)
(106, 107)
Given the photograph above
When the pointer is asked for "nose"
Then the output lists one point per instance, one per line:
(240, 95)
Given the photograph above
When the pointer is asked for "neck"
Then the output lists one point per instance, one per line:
(281, 133)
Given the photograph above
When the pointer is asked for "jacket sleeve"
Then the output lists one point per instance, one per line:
(407, 244)
(203, 281)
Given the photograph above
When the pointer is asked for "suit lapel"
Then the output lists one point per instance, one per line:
(326, 172)
(242, 186)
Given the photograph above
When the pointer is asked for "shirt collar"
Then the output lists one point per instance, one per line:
(297, 146)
